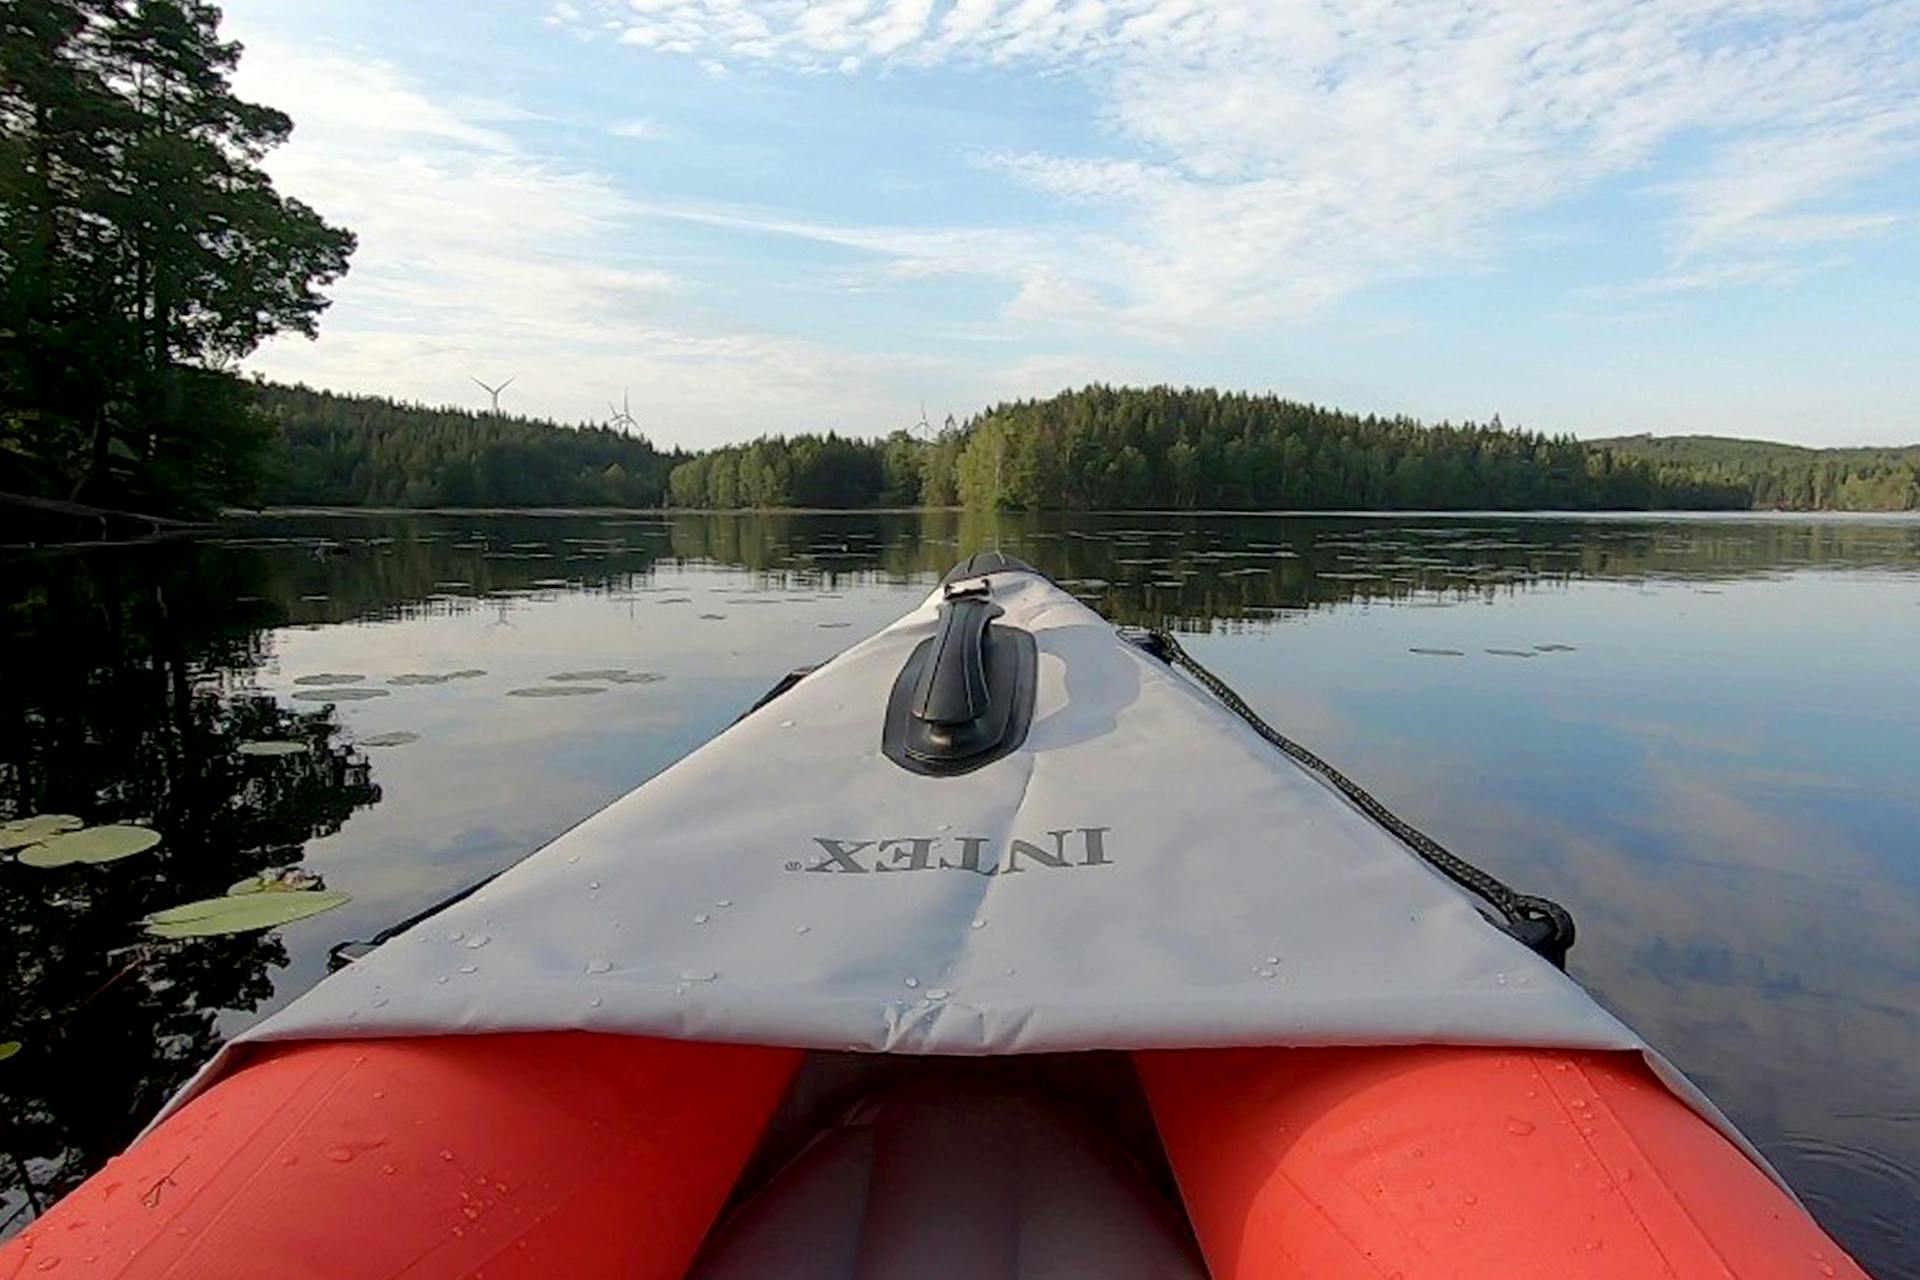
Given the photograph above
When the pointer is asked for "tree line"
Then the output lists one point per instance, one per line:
(1099, 448)
(352, 451)
(1164, 448)
(1785, 477)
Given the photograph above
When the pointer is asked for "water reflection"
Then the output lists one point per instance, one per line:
(1190, 572)
(121, 705)
(1696, 732)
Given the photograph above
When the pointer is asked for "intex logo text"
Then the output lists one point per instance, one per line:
(975, 853)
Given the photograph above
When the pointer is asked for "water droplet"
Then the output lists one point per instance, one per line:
(593, 886)
(786, 724)
(724, 902)
(470, 1211)
(48, 1264)
(455, 936)
(1577, 1103)
(598, 965)
(1273, 959)
(289, 1161)
(945, 826)
(478, 941)
(700, 918)
(1519, 1128)
(803, 928)
(1594, 1246)
(445, 1154)
(1473, 1199)
(697, 975)
(469, 968)
(459, 1231)
(1459, 1222)
(378, 1002)
(1500, 978)
(913, 982)
(572, 858)
(979, 924)
(1418, 1152)
(937, 993)
(1265, 973)
(340, 1155)
(388, 1169)
(596, 1002)
(442, 979)
(1011, 972)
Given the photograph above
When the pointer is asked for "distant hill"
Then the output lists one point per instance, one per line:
(348, 450)
(1785, 477)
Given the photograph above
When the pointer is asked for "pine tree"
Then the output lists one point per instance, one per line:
(146, 249)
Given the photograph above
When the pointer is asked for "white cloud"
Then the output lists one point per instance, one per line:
(1720, 276)
(638, 130)
(477, 257)
(1270, 155)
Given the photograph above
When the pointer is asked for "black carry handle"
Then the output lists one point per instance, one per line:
(964, 697)
(952, 691)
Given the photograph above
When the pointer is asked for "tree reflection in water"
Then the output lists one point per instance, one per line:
(137, 715)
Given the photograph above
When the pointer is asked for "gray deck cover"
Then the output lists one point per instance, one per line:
(1143, 872)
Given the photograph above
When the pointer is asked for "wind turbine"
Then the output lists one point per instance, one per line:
(623, 416)
(494, 391)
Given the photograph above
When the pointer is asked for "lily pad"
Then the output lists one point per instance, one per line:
(468, 674)
(90, 844)
(398, 738)
(353, 693)
(556, 691)
(329, 677)
(8, 1048)
(417, 677)
(277, 747)
(241, 913)
(1440, 653)
(610, 675)
(25, 831)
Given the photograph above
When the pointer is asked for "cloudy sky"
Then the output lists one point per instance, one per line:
(1592, 216)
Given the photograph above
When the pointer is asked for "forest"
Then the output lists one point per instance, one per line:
(1786, 477)
(1099, 448)
(368, 451)
(1164, 448)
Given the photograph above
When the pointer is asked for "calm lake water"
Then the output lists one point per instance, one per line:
(1701, 735)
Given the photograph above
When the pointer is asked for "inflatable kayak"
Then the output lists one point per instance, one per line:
(1001, 945)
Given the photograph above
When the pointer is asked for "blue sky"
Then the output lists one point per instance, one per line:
(1591, 216)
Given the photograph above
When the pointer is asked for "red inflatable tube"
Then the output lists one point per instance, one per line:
(495, 1157)
(1465, 1164)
